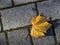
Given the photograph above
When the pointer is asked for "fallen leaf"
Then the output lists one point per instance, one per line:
(39, 26)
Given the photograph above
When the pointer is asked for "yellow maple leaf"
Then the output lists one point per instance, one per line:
(39, 26)
(36, 34)
(43, 27)
(38, 19)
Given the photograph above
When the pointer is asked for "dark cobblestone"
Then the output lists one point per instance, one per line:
(5, 3)
(57, 31)
(2, 39)
(18, 16)
(19, 37)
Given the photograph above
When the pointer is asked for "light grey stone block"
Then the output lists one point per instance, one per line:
(18, 16)
(2, 39)
(19, 37)
(5, 3)
(57, 31)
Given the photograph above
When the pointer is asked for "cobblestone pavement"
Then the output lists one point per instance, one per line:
(15, 16)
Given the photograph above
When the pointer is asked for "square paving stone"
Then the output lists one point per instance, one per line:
(57, 31)
(47, 40)
(19, 37)
(2, 39)
(24, 1)
(45, 7)
(18, 16)
(5, 3)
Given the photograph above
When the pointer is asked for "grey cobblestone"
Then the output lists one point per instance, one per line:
(2, 39)
(50, 8)
(56, 10)
(45, 7)
(19, 37)
(48, 40)
(57, 31)
(5, 3)
(18, 16)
